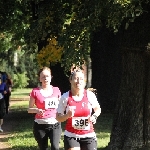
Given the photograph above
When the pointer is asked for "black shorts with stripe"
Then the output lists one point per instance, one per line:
(88, 143)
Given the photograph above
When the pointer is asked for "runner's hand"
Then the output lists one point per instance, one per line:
(5, 92)
(70, 113)
(40, 112)
(93, 119)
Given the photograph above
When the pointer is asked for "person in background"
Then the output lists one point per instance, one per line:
(1, 76)
(45, 99)
(5, 76)
(78, 104)
(9, 85)
(3, 91)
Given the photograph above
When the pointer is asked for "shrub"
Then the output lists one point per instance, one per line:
(20, 80)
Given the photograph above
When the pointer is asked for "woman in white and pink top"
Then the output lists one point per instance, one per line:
(78, 104)
(44, 102)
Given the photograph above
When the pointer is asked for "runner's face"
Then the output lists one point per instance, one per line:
(78, 81)
(45, 77)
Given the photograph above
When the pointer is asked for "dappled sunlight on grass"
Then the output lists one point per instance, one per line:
(19, 105)
(103, 135)
(21, 136)
(103, 139)
(20, 93)
(103, 130)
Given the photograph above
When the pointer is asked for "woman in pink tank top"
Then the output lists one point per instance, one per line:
(44, 102)
(78, 104)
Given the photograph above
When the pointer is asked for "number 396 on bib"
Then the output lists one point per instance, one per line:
(80, 123)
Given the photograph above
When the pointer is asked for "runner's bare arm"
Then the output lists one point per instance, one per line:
(97, 110)
(31, 108)
(63, 117)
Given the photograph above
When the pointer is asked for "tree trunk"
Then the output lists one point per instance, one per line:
(147, 105)
(130, 129)
(89, 73)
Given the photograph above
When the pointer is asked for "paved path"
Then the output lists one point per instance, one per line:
(3, 143)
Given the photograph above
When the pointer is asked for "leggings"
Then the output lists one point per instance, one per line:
(7, 99)
(2, 108)
(43, 132)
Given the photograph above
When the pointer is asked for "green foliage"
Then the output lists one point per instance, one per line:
(14, 20)
(20, 80)
(28, 23)
(28, 62)
(74, 21)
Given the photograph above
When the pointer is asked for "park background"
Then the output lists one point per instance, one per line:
(111, 38)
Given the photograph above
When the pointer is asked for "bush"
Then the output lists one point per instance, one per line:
(20, 80)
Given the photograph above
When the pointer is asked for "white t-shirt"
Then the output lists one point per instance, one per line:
(62, 107)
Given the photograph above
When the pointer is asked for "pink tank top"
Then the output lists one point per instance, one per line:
(49, 104)
(79, 124)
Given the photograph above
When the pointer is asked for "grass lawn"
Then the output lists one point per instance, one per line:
(21, 137)
(20, 93)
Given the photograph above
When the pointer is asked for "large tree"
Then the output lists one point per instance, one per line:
(130, 128)
(72, 23)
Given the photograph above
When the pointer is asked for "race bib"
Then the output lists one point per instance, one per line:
(51, 103)
(1, 96)
(80, 123)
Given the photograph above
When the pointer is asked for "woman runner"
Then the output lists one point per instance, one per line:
(46, 99)
(78, 104)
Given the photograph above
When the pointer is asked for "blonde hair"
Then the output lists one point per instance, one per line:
(44, 68)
